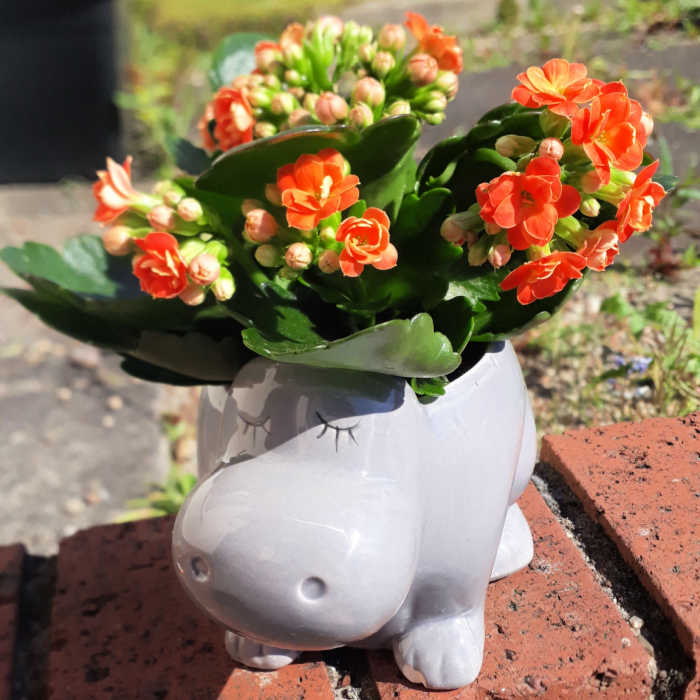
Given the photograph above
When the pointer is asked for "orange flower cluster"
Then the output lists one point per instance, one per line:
(431, 40)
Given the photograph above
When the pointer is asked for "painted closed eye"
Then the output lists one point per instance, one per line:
(327, 426)
(255, 425)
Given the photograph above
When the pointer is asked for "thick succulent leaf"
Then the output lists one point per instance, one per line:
(455, 319)
(188, 157)
(406, 348)
(153, 373)
(507, 317)
(475, 285)
(234, 56)
(431, 386)
(245, 170)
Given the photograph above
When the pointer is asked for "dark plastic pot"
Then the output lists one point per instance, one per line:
(57, 80)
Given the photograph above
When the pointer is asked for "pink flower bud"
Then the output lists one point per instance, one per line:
(161, 217)
(224, 287)
(117, 240)
(189, 209)
(492, 229)
(172, 197)
(293, 77)
(260, 226)
(249, 204)
(272, 194)
(329, 262)
(370, 91)
(331, 108)
(499, 255)
(204, 269)
(310, 99)
(422, 69)
(360, 116)
(382, 63)
(399, 107)
(590, 182)
(283, 103)
(267, 56)
(292, 53)
(330, 25)
(448, 82)
(271, 81)
(552, 148)
(298, 256)
(299, 117)
(268, 255)
(263, 130)
(366, 52)
(193, 295)
(647, 123)
(452, 232)
(392, 37)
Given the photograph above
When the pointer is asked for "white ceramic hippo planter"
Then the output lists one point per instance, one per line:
(336, 509)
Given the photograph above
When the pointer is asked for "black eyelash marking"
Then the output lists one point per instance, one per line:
(255, 426)
(327, 425)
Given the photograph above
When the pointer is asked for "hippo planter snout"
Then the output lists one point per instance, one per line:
(334, 508)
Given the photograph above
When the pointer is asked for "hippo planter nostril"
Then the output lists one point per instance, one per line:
(313, 588)
(200, 569)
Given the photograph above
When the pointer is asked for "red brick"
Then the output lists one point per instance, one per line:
(642, 483)
(11, 561)
(551, 632)
(121, 627)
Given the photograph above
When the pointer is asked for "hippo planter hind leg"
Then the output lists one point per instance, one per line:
(336, 509)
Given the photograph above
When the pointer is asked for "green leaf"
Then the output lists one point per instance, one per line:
(234, 56)
(430, 386)
(476, 284)
(403, 347)
(668, 182)
(455, 318)
(245, 170)
(507, 317)
(189, 157)
(617, 305)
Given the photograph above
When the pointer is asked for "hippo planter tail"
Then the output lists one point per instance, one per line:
(336, 509)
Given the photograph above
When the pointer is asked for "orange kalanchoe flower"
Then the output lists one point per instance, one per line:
(528, 205)
(637, 208)
(601, 247)
(558, 84)
(113, 191)
(366, 241)
(160, 269)
(431, 40)
(314, 187)
(611, 131)
(545, 277)
(234, 118)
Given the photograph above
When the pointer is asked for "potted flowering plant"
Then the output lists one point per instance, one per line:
(353, 307)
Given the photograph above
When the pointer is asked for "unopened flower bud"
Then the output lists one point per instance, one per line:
(299, 117)
(193, 295)
(310, 100)
(459, 228)
(479, 251)
(452, 232)
(268, 255)
(298, 256)
(161, 217)
(259, 97)
(590, 206)
(204, 269)
(590, 182)
(514, 146)
(263, 130)
(293, 77)
(434, 101)
(553, 124)
(117, 240)
(351, 31)
(331, 108)
(365, 34)
(292, 53)
(328, 262)
(249, 204)
(369, 91)
(268, 59)
(360, 116)
(173, 196)
(422, 69)
(399, 107)
(647, 123)
(434, 117)
(367, 52)
(224, 286)
(499, 255)
(189, 209)
(552, 148)
(260, 226)
(272, 81)
(448, 82)
(283, 103)
(327, 235)
(491, 228)
(392, 37)
(382, 63)
(272, 194)
(330, 25)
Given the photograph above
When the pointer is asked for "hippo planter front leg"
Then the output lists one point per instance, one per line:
(256, 655)
(442, 653)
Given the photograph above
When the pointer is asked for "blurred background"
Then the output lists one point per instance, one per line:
(83, 443)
